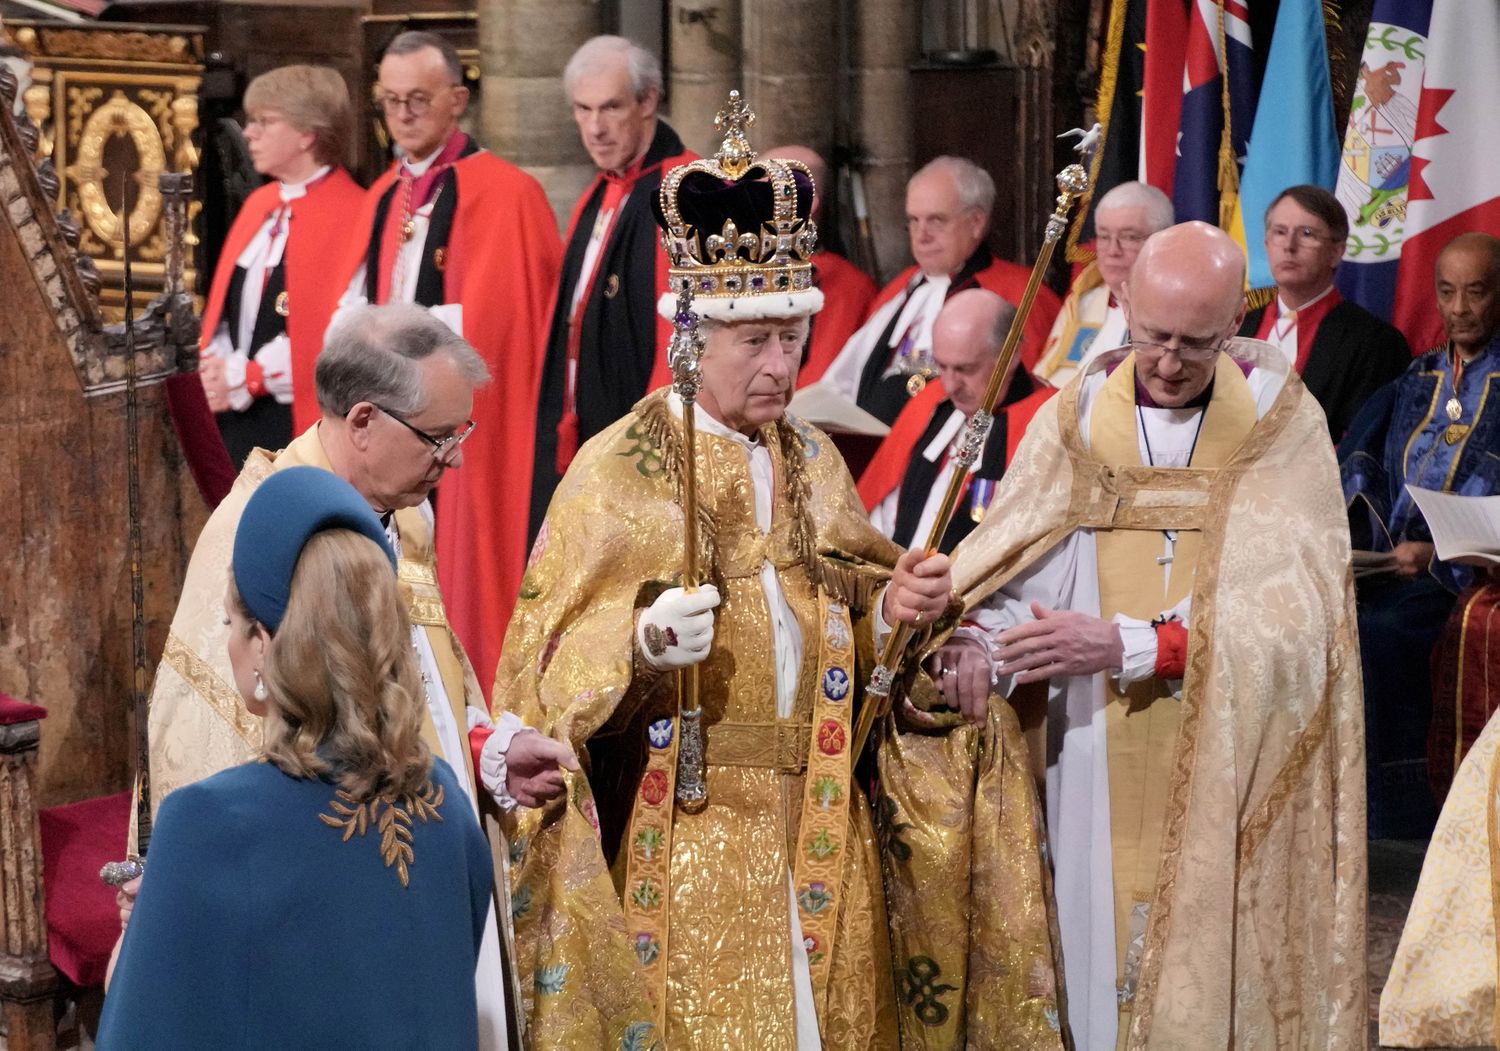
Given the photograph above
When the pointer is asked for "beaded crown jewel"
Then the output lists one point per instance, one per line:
(737, 230)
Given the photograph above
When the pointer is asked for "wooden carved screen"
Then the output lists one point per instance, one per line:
(111, 99)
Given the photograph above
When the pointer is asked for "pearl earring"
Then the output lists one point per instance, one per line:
(260, 688)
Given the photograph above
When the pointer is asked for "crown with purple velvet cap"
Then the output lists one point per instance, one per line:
(737, 230)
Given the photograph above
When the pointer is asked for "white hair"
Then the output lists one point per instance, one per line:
(603, 52)
(1157, 205)
(976, 190)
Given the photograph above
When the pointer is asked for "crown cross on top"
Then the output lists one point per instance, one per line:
(734, 120)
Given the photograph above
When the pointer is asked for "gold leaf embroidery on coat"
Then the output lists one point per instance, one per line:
(392, 818)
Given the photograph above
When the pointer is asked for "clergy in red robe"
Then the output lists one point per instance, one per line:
(889, 359)
(272, 295)
(457, 229)
(1342, 351)
(904, 484)
(847, 290)
(601, 352)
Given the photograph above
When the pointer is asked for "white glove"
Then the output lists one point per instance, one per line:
(678, 628)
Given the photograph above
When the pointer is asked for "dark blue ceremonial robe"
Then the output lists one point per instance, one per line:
(259, 926)
(1402, 436)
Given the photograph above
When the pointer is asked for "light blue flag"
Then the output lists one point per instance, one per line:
(1293, 140)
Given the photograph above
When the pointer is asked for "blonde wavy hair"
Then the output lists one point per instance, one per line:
(346, 696)
(312, 99)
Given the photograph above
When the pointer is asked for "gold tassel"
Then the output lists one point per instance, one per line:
(1229, 167)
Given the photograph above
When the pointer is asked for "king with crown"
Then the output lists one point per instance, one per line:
(713, 876)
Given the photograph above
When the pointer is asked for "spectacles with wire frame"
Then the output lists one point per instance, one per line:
(1197, 352)
(443, 449)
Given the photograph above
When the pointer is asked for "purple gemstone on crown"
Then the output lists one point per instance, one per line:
(757, 282)
(705, 284)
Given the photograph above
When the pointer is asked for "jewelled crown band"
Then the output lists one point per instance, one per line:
(738, 230)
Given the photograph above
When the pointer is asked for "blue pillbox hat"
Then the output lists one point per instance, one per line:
(281, 516)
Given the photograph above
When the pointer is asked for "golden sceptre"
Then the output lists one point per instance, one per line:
(1072, 183)
(683, 356)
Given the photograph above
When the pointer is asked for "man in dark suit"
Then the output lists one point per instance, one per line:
(1342, 351)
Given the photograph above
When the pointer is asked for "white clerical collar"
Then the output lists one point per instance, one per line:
(420, 167)
(1283, 310)
(705, 422)
(290, 191)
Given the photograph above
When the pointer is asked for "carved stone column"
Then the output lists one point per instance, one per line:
(704, 42)
(27, 980)
(884, 37)
(523, 47)
(791, 72)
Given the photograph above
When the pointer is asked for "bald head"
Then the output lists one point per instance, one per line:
(1186, 294)
(966, 340)
(1192, 260)
(1468, 291)
(815, 164)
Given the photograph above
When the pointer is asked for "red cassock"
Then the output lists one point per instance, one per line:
(1008, 281)
(318, 219)
(848, 293)
(888, 466)
(502, 259)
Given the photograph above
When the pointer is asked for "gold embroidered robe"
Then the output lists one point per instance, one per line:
(960, 836)
(698, 905)
(1255, 937)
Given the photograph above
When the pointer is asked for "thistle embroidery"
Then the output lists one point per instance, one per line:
(647, 842)
(647, 455)
(550, 980)
(391, 816)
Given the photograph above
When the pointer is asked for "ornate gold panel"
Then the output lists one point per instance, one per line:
(117, 107)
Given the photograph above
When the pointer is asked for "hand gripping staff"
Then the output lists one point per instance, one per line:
(1072, 183)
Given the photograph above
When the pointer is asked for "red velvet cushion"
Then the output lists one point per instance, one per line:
(13, 711)
(83, 921)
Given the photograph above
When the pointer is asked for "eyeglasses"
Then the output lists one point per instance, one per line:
(444, 450)
(417, 103)
(1126, 239)
(1296, 234)
(1196, 352)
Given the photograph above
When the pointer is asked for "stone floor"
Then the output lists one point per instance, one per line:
(1394, 868)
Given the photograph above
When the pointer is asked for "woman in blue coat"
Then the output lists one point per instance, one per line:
(335, 893)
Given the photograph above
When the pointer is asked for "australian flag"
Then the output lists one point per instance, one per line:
(1206, 176)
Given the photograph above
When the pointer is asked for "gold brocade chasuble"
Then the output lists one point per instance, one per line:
(198, 722)
(1255, 935)
(1142, 721)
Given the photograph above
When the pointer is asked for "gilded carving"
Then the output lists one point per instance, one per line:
(38, 100)
(119, 116)
(131, 47)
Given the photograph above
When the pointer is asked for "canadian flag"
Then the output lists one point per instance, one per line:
(1455, 170)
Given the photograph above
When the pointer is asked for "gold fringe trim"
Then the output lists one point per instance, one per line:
(1338, 58)
(1104, 102)
(1259, 297)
